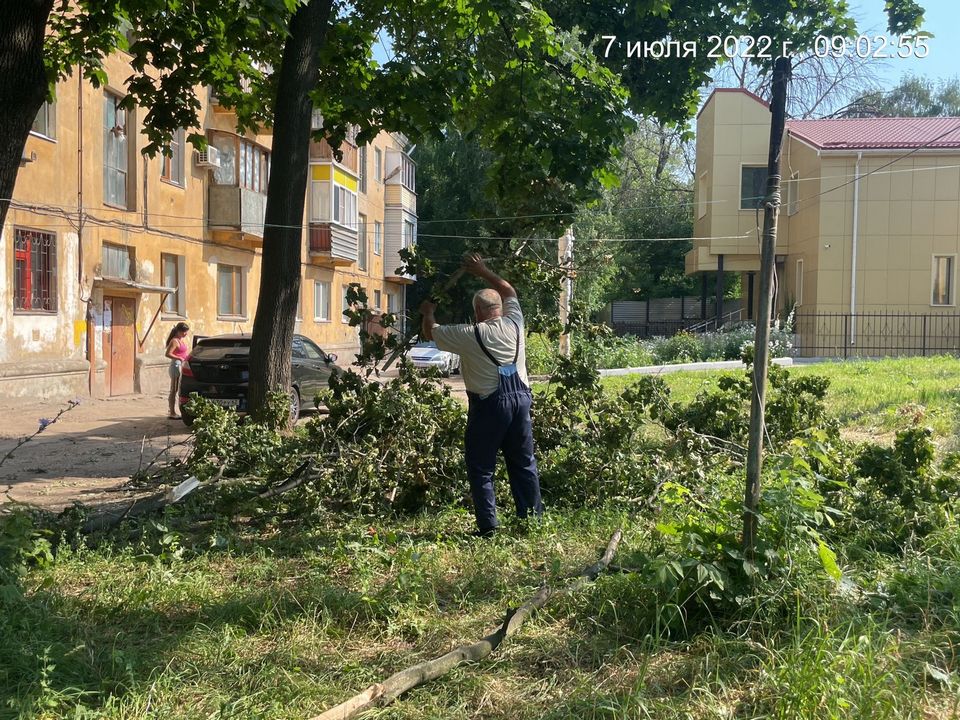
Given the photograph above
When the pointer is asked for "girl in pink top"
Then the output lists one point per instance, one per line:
(177, 351)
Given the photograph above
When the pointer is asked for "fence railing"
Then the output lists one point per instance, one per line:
(668, 328)
(654, 328)
(876, 334)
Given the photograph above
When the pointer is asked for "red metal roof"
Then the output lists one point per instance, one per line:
(879, 133)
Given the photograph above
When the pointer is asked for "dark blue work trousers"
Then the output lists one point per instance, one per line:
(501, 421)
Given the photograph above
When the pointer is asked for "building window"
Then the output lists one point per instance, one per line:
(345, 305)
(391, 302)
(362, 243)
(115, 157)
(362, 168)
(321, 301)
(793, 193)
(408, 173)
(377, 237)
(377, 299)
(344, 206)
(172, 164)
(171, 271)
(409, 234)
(117, 261)
(943, 279)
(702, 195)
(798, 301)
(378, 165)
(34, 270)
(45, 123)
(230, 290)
(254, 167)
(753, 186)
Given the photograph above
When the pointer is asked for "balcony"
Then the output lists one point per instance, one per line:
(235, 210)
(331, 245)
(320, 151)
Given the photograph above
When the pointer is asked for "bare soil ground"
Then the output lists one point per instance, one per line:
(88, 454)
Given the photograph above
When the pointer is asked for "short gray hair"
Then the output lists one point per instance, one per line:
(487, 299)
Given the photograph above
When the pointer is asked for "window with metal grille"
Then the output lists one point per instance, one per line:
(34, 270)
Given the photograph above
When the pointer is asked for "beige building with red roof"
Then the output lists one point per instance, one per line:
(869, 227)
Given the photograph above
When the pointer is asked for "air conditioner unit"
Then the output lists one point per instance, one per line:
(209, 158)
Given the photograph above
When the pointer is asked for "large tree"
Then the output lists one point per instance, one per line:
(913, 96)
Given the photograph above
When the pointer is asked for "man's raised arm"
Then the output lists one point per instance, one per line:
(473, 264)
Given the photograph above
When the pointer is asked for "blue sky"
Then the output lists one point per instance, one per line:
(941, 18)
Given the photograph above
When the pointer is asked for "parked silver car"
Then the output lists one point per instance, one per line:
(426, 355)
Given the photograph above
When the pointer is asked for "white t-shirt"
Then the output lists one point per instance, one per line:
(499, 336)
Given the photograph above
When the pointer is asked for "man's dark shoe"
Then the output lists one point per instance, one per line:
(485, 532)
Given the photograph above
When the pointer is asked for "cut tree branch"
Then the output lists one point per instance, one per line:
(386, 692)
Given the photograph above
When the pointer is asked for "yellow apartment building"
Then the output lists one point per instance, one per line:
(869, 226)
(104, 249)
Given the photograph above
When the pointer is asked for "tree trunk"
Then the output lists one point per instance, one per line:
(273, 325)
(751, 496)
(23, 84)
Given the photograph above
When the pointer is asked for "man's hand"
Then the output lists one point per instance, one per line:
(473, 264)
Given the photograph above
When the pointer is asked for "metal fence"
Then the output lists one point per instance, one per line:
(876, 334)
(654, 328)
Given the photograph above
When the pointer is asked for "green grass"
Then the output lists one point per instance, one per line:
(876, 396)
(285, 624)
(275, 619)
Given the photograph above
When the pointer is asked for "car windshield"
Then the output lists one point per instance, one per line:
(426, 344)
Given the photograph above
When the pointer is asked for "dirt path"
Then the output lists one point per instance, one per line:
(86, 455)
(89, 454)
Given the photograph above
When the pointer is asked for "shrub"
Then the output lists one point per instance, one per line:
(393, 446)
(682, 347)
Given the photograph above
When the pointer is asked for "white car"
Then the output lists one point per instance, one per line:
(426, 355)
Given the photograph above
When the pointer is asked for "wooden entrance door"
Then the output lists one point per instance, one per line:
(119, 343)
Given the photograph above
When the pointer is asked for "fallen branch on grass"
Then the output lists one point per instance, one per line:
(294, 480)
(386, 692)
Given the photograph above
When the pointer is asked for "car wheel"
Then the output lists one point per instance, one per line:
(294, 405)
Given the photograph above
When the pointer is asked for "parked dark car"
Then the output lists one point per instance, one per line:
(218, 369)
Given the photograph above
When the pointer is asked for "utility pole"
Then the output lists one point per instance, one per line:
(761, 345)
(565, 259)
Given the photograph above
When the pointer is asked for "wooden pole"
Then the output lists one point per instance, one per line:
(771, 210)
(565, 258)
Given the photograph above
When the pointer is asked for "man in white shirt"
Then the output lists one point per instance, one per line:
(493, 364)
